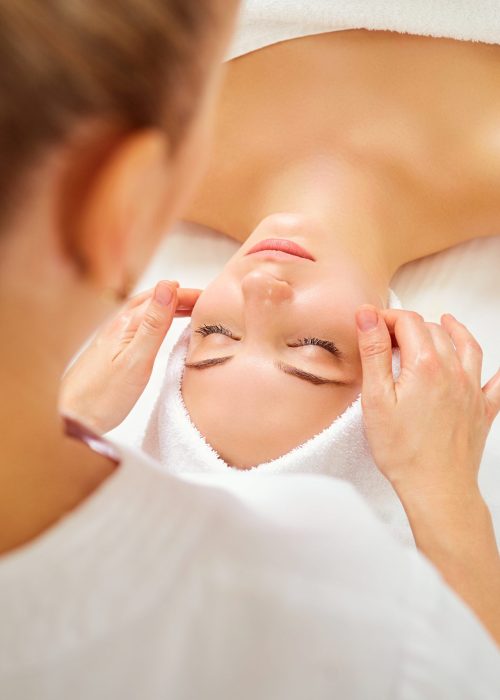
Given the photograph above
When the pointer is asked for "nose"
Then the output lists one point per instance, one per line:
(263, 289)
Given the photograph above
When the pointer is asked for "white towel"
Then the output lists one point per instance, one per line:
(265, 22)
(341, 450)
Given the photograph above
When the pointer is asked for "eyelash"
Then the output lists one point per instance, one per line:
(326, 344)
(209, 329)
(214, 328)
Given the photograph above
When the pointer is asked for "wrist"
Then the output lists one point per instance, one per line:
(456, 534)
(449, 523)
(86, 418)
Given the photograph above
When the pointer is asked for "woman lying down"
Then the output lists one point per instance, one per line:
(327, 152)
(333, 169)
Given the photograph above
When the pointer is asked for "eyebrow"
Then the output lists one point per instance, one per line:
(212, 362)
(306, 376)
(282, 366)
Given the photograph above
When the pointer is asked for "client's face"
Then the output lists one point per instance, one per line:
(273, 357)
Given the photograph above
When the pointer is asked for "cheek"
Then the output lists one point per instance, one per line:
(337, 295)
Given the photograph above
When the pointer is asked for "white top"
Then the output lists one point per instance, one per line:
(158, 588)
(265, 22)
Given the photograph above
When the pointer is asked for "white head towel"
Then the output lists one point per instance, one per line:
(341, 450)
(265, 22)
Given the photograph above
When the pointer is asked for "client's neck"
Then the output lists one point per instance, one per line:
(360, 213)
(376, 208)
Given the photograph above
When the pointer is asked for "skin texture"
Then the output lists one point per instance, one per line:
(371, 172)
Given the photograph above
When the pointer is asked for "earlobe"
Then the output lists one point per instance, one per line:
(118, 201)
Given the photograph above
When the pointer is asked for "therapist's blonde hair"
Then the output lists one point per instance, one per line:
(137, 62)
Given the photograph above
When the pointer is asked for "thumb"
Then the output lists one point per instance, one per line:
(156, 322)
(375, 348)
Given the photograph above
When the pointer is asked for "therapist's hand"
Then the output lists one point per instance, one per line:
(103, 385)
(427, 432)
(427, 429)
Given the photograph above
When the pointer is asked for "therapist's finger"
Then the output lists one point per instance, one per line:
(444, 345)
(124, 324)
(155, 323)
(469, 351)
(375, 349)
(186, 299)
(412, 337)
(138, 299)
(133, 318)
(491, 390)
(141, 297)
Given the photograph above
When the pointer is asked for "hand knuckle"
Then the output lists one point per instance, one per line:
(429, 362)
(374, 347)
(127, 363)
(474, 347)
(152, 323)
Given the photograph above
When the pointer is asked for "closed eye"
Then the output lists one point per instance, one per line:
(327, 345)
(287, 369)
(209, 329)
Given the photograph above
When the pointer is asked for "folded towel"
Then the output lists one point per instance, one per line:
(265, 22)
(341, 450)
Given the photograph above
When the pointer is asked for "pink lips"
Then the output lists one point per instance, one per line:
(281, 245)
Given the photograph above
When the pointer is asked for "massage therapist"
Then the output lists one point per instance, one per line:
(118, 581)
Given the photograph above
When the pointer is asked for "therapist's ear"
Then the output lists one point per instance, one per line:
(121, 209)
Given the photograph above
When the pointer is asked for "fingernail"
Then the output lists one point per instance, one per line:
(367, 319)
(163, 294)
